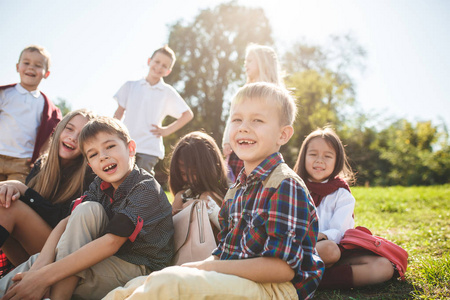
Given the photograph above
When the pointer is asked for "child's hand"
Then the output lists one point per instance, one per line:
(159, 131)
(27, 285)
(201, 265)
(321, 237)
(8, 193)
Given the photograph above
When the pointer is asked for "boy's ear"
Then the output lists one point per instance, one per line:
(46, 74)
(285, 134)
(132, 148)
(148, 61)
(168, 72)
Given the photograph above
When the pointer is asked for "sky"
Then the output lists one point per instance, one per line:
(97, 45)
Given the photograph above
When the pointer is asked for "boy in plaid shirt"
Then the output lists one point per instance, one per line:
(268, 221)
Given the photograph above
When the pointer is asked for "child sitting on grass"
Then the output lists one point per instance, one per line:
(120, 229)
(268, 222)
(323, 164)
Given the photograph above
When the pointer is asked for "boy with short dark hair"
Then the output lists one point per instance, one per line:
(120, 229)
(268, 221)
(27, 117)
(147, 102)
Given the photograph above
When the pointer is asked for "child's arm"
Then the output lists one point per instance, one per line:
(259, 269)
(174, 126)
(33, 284)
(119, 112)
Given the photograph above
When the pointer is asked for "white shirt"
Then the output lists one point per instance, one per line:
(20, 118)
(335, 213)
(146, 105)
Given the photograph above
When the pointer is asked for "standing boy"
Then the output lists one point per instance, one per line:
(120, 229)
(27, 117)
(147, 102)
(268, 221)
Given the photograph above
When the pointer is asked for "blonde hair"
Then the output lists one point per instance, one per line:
(270, 93)
(49, 182)
(268, 65)
(41, 50)
(166, 50)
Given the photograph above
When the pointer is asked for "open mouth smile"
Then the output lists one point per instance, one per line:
(246, 142)
(110, 167)
(68, 146)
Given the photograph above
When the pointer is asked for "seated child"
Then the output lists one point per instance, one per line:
(268, 222)
(197, 171)
(120, 229)
(323, 164)
(27, 117)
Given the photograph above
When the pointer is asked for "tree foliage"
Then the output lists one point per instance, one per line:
(63, 105)
(210, 54)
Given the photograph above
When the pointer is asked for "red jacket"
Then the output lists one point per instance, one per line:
(51, 115)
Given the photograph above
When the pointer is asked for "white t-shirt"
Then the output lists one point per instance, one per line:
(146, 105)
(335, 213)
(20, 118)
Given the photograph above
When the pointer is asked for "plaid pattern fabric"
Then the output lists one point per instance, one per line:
(272, 222)
(235, 164)
(5, 264)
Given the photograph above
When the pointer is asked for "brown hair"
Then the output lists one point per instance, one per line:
(166, 51)
(42, 51)
(271, 93)
(204, 165)
(341, 168)
(103, 124)
(49, 181)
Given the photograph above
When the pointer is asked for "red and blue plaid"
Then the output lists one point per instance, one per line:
(235, 164)
(272, 222)
(5, 264)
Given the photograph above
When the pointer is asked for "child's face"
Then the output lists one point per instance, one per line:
(184, 172)
(320, 160)
(31, 69)
(68, 140)
(251, 68)
(110, 158)
(159, 65)
(255, 131)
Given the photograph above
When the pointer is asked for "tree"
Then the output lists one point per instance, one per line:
(210, 54)
(62, 104)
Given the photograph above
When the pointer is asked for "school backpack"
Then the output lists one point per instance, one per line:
(362, 238)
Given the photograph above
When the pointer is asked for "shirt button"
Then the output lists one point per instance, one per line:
(31, 200)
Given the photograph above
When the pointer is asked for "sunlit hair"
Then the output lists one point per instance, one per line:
(268, 65)
(341, 168)
(103, 124)
(49, 182)
(42, 51)
(166, 51)
(203, 163)
(271, 93)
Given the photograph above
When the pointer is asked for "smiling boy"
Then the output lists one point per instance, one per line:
(268, 221)
(120, 229)
(147, 102)
(27, 117)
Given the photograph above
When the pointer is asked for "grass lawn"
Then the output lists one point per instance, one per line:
(418, 220)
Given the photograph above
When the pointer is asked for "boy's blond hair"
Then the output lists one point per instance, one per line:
(103, 124)
(41, 50)
(166, 51)
(271, 93)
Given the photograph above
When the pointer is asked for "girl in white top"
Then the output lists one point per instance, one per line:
(322, 164)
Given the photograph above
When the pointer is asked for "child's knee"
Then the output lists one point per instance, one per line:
(328, 251)
(384, 267)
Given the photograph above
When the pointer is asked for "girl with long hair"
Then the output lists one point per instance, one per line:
(29, 211)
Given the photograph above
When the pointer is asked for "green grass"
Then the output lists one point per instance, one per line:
(417, 219)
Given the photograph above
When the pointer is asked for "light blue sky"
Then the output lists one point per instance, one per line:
(97, 45)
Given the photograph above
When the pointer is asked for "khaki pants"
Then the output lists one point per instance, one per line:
(189, 283)
(12, 168)
(85, 224)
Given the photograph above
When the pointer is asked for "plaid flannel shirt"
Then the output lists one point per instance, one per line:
(272, 222)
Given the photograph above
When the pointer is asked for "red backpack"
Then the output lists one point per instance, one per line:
(362, 238)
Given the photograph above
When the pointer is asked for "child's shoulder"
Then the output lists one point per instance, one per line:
(280, 173)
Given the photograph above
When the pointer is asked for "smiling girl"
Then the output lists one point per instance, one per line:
(56, 179)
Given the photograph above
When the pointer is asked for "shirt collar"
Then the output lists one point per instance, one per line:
(23, 91)
(262, 170)
(159, 85)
